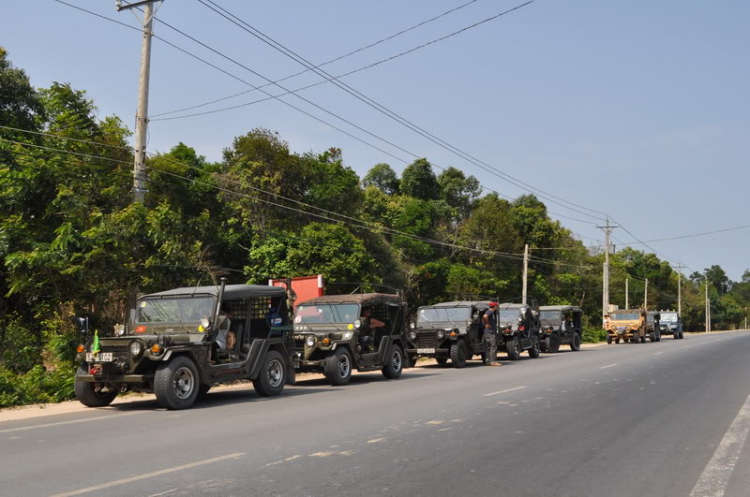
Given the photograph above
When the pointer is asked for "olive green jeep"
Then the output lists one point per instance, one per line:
(180, 342)
(334, 334)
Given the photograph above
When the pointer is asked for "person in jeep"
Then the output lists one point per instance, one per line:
(369, 324)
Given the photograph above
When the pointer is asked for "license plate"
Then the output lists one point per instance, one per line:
(101, 357)
(425, 351)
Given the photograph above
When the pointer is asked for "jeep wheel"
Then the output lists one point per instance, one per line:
(643, 339)
(609, 339)
(676, 336)
(552, 343)
(458, 354)
(652, 337)
(441, 359)
(176, 383)
(272, 377)
(338, 367)
(575, 342)
(512, 347)
(617, 340)
(534, 350)
(394, 363)
(90, 394)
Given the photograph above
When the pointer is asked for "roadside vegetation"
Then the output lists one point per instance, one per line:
(73, 243)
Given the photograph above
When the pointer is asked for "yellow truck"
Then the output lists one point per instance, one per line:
(626, 325)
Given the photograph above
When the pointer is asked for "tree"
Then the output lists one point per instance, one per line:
(459, 191)
(383, 177)
(419, 181)
(20, 105)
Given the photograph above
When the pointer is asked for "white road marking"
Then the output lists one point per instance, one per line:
(150, 475)
(715, 477)
(504, 391)
(610, 366)
(659, 353)
(60, 423)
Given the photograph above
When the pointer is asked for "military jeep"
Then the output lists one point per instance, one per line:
(333, 335)
(450, 330)
(171, 346)
(518, 330)
(653, 328)
(671, 324)
(561, 325)
(626, 325)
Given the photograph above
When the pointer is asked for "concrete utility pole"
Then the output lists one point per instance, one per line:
(645, 296)
(141, 116)
(525, 272)
(708, 309)
(679, 289)
(627, 293)
(605, 279)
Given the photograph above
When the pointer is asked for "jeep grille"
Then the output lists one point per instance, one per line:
(121, 353)
(426, 340)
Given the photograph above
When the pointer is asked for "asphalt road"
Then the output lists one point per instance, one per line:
(661, 419)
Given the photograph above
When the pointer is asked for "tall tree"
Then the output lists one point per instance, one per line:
(383, 177)
(418, 180)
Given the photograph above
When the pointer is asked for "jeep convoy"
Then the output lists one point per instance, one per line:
(178, 343)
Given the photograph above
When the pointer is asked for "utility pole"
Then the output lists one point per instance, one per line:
(679, 289)
(605, 276)
(627, 293)
(525, 272)
(645, 296)
(141, 116)
(708, 309)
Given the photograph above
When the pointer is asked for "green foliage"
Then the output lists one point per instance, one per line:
(419, 181)
(382, 177)
(593, 335)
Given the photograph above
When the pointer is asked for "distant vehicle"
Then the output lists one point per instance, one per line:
(177, 344)
(333, 335)
(449, 330)
(653, 330)
(561, 325)
(518, 330)
(671, 324)
(626, 325)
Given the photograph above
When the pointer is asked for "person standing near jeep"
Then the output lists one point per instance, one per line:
(489, 320)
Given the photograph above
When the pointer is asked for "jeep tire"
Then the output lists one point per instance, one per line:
(394, 363)
(87, 395)
(338, 367)
(272, 376)
(511, 347)
(176, 383)
(575, 342)
(458, 354)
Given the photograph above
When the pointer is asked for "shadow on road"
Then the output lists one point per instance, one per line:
(362, 379)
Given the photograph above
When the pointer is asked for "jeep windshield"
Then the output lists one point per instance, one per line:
(670, 317)
(327, 313)
(509, 315)
(175, 310)
(444, 314)
(550, 316)
(625, 316)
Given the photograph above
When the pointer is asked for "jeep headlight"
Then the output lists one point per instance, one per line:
(357, 323)
(412, 335)
(136, 348)
(440, 334)
(310, 341)
(205, 323)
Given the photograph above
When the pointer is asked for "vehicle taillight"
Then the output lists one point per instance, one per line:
(521, 328)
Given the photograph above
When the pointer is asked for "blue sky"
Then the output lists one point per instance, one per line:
(636, 108)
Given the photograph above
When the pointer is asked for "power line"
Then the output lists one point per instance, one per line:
(384, 110)
(336, 59)
(190, 54)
